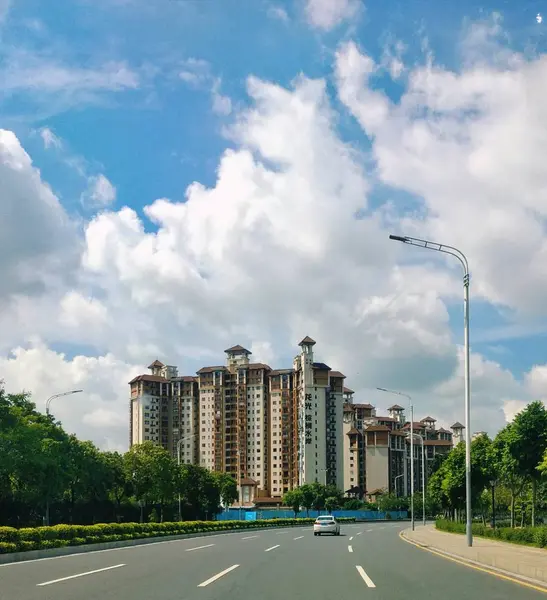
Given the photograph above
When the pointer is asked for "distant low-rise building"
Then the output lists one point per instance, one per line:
(377, 449)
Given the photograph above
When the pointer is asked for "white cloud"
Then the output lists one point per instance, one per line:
(100, 191)
(49, 138)
(38, 242)
(198, 74)
(468, 145)
(327, 14)
(222, 105)
(277, 12)
(272, 250)
(99, 413)
(51, 84)
(28, 72)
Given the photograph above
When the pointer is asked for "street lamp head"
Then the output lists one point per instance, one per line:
(399, 238)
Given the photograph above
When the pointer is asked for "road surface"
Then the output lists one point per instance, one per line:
(367, 561)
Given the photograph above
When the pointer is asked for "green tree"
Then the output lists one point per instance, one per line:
(119, 488)
(294, 499)
(227, 487)
(507, 464)
(530, 444)
(331, 504)
(153, 473)
(308, 497)
(353, 504)
(542, 467)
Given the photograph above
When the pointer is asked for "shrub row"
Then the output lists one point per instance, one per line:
(58, 536)
(530, 536)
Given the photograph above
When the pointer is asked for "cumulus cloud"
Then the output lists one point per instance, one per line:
(100, 191)
(38, 242)
(99, 413)
(468, 146)
(327, 14)
(286, 242)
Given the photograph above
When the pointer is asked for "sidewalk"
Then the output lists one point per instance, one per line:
(522, 562)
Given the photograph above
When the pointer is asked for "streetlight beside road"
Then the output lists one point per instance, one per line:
(411, 448)
(463, 260)
(49, 400)
(179, 444)
(423, 476)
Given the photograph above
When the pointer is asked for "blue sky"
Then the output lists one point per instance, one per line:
(143, 96)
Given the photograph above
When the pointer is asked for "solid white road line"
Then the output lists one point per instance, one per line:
(79, 575)
(272, 548)
(350, 549)
(281, 532)
(198, 547)
(299, 537)
(217, 576)
(250, 537)
(365, 577)
(350, 538)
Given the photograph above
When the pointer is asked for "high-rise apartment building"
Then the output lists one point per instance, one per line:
(377, 449)
(271, 429)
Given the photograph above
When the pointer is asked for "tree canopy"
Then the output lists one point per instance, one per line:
(49, 476)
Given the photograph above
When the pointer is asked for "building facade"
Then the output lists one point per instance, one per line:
(377, 449)
(272, 430)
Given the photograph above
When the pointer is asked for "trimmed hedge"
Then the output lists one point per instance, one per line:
(59, 536)
(529, 536)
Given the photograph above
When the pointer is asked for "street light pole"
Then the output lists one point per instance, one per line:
(179, 444)
(467, 385)
(411, 448)
(48, 401)
(423, 475)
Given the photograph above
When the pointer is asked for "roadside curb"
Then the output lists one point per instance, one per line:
(535, 584)
(16, 557)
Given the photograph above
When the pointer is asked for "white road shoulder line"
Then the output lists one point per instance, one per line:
(365, 577)
(217, 576)
(79, 575)
(299, 537)
(350, 549)
(249, 537)
(281, 532)
(272, 548)
(198, 547)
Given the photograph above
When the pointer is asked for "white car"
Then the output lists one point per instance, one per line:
(326, 524)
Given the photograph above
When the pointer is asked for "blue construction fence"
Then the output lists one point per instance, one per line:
(244, 514)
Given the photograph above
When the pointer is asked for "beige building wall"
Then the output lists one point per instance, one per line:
(377, 474)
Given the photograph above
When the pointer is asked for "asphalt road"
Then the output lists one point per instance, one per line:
(367, 561)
